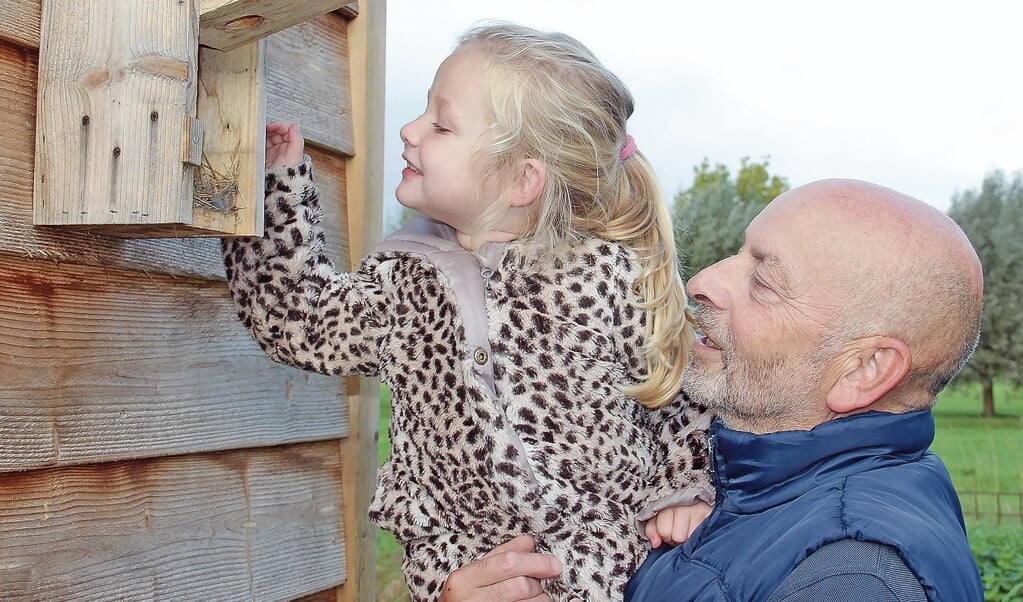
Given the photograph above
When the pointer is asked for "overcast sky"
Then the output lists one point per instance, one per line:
(923, 96)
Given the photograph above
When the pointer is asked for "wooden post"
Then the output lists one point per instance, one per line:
(365, 189)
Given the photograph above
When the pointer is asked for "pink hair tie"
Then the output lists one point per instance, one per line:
(629, 149)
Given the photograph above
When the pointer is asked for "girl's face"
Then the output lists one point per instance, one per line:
(442, 179)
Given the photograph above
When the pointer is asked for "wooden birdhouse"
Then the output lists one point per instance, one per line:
(150, 114)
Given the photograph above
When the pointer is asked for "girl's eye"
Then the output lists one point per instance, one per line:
(440, 129)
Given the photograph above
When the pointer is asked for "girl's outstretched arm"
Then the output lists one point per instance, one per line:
(284, 144)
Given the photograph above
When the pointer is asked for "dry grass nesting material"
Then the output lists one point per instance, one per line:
(215, 189)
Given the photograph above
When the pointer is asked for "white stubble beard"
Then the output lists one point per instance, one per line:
(758, 394)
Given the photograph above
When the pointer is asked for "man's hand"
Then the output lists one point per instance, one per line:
(284, 144)
(511, 572)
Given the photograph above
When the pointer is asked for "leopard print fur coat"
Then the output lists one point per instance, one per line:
(507, 415)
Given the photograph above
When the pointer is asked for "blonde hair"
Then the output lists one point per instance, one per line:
(553, 101)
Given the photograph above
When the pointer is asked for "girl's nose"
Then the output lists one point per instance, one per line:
(408, 133)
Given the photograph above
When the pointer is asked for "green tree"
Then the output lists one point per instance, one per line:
(992, 218)
(711, 215)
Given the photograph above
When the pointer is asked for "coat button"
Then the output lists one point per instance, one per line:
(480, 355)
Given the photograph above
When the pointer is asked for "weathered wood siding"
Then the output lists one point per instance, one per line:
(148, 448)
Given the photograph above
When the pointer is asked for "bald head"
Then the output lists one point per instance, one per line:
(898, 266)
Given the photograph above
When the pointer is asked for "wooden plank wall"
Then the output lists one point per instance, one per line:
(148, 448)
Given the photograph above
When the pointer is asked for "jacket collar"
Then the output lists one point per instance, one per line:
(755, 472)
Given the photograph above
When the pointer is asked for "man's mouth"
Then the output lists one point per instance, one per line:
(704, 338)
(709, 342)
(701, 319)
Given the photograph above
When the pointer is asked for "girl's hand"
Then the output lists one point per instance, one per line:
(674, 525)
(284, 144)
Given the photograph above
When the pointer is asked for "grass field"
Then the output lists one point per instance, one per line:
(982, 455)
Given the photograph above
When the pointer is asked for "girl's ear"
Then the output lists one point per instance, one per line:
(527, 186)
(868, 372)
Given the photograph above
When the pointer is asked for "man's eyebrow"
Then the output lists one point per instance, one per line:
(764, 257)
(775, 267)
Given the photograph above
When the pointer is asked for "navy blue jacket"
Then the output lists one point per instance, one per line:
(781, 496)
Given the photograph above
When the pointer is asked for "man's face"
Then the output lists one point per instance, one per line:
(766, 314)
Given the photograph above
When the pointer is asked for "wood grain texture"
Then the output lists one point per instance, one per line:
(228, 24)
(19, 22)
(366, 36)
(191, 257)
(116, 84)
(331, 175)
(18, 237)
(148, 449)
(308, 87)
(232, 107)
(103, 364)
(19, 19)
(327, 595)
(321, 101)
(248, 525)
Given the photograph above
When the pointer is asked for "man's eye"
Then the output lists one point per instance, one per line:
(758, 283)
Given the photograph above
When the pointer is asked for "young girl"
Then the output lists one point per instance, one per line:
(532, 330)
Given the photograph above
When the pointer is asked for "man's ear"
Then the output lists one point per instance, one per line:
(872, 368)
(527, 186)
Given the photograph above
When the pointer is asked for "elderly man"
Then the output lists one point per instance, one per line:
(826, 341)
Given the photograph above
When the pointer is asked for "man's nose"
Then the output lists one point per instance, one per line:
(705, 287)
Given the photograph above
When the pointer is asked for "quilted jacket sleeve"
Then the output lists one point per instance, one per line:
(300, 310)
(684, 472)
